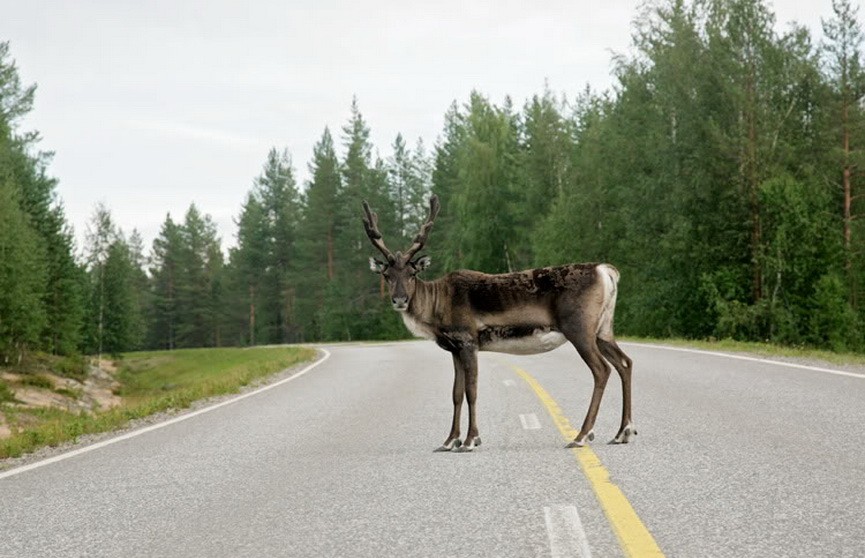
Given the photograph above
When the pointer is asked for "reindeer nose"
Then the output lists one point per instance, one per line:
(399, 301)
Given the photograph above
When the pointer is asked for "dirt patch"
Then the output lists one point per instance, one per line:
(96, 392)
(100, 385)
(29, 397)
(108, 366)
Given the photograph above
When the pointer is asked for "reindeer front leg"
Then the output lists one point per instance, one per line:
(453, 440)
(469, 360)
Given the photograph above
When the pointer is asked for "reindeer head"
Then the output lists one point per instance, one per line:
(399, 270)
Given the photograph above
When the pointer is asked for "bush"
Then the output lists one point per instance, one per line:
(833, 322)
(74, 367)
(37, 380)
(6, 394)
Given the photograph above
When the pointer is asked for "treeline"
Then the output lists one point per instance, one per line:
(721, 175)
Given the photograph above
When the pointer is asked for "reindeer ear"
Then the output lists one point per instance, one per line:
(376, 265)
(422, 263)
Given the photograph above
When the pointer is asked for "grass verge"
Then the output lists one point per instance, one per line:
(759, 349)
(151, 382)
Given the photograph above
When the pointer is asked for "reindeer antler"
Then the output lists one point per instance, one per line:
(421, 237)
(370, 224)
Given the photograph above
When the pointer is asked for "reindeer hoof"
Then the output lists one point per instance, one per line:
(625, 435)
(579, 443)
(449, 445)
(469, 445)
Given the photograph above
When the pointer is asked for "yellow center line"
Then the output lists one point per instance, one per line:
(635, 539)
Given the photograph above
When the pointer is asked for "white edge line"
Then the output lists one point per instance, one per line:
(751, 359)
(175, 420)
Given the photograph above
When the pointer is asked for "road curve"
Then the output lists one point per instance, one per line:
(733, 458)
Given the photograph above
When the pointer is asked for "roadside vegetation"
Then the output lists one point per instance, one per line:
(801, 353)
(41, 408)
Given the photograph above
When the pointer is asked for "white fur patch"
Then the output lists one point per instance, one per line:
(540, 341)
(609, 279)
(418, 329)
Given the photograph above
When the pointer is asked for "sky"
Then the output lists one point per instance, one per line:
(152, 105)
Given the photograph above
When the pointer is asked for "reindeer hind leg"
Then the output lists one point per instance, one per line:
(624, 366)
(587, 346)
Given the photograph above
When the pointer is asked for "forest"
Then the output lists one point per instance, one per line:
(721, 174)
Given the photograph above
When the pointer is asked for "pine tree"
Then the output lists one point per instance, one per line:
(446, 254)
(489, 196)
(198, 273)
(63, 299)
(401, 175)
(741, 34)
(141, 289)
(62, 302)
(844, 71)
(548, 147)
(575, 225)
(409, 173)
(22, 278)
(316, 243)
(122, 314)
(166, 268)
(248, 262)
(419, 188)
(353, 305)
(64, 293)
(15, 100)
(360, 181)
(100, 236)
(277, 191)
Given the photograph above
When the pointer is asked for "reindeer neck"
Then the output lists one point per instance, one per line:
(423, 303)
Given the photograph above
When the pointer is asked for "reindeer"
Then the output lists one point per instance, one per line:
(526, 312)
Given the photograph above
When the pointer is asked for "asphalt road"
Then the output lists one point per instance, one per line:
(733, 458)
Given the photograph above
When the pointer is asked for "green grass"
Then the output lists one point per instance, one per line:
(760, 349)
(37, 381)
(6, 395)
(74, 367)
(151, 382)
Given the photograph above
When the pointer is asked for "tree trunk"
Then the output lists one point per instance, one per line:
(101, 311)
(330, 254)
(288, 330)
(753, 186)
(251, 315)
(848, 203)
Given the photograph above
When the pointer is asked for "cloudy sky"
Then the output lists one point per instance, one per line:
(153, 105)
